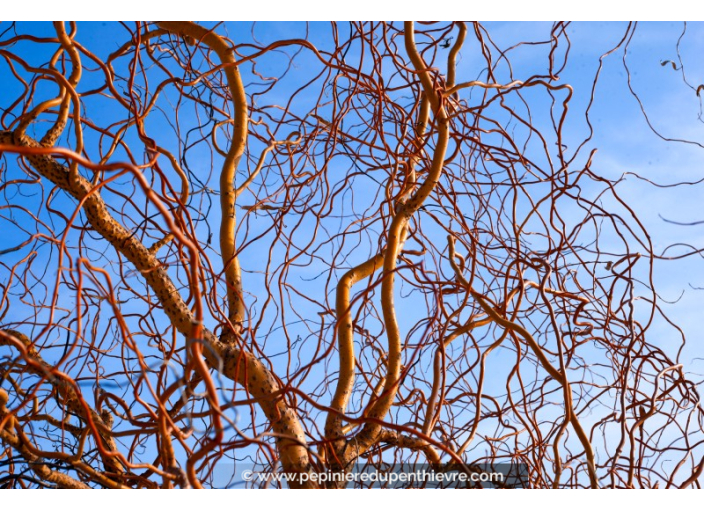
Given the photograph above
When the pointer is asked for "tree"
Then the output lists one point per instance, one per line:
(318, 251)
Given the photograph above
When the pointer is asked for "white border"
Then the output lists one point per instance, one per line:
(319, 10)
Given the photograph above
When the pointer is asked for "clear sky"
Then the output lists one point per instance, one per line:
(645, 120)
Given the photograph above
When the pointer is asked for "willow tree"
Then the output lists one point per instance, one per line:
(368, 243)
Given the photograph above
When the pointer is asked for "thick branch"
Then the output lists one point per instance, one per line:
(231, 361)
(379, 409)
(228, 194)
(345, 341)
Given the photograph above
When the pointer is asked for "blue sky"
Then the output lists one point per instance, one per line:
(626, 145)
